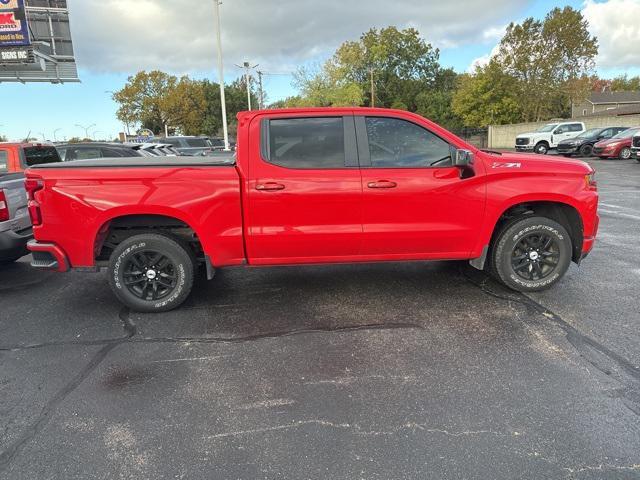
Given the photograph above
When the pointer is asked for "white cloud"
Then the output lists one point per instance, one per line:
(483, 60)
(616, 23)
(178, 35)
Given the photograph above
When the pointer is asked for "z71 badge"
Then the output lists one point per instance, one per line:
(506, 165)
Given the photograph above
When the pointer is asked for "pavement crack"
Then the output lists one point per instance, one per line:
(271, 335)
(32, 430)
(49, 408)
(577, 339)
(357, 430)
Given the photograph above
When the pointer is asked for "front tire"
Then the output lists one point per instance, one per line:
(586, 151)
(541, 148)
(151, 273)
(531, 254)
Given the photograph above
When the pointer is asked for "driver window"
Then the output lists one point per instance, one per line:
(559, 130)
(606, 134)
(395, 143)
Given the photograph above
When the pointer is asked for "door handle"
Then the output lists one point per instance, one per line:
(382, 184)
(269, 187)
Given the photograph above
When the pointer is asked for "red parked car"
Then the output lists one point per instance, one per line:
(310, 186)
(618, 146)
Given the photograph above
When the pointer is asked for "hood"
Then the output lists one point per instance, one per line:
(622, 141)
(526, 162)
(529, 134)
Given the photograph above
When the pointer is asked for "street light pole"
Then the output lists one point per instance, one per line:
(55, 138)
(223, 102)
(86, 129)
(247, 79)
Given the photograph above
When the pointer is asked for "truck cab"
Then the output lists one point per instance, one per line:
(16, 157)
(548, 137)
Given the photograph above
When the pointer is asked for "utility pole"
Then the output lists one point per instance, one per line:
(247, 78)
(260, 90)
(223, 102)
(373, 89)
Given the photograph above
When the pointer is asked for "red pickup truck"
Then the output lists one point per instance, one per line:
(313, 186)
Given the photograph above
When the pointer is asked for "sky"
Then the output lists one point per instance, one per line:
(115, 38)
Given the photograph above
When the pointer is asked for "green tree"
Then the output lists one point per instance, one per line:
(396, 64)
(624, 83)
(487, 97)
(544, 57)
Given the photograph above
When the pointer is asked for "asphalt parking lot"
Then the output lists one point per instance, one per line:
(422, 370)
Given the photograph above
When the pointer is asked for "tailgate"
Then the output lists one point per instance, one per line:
(16, 196)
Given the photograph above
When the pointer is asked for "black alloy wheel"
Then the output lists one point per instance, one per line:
(535, 256)
(150, 275)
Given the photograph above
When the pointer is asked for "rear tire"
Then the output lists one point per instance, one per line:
(531, 254)
(151, 273)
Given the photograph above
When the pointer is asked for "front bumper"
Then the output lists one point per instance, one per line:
(14, 244)
(524, 148)
(48, 256)
(567, 149)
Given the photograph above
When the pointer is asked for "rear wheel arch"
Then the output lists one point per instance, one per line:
(119, 228)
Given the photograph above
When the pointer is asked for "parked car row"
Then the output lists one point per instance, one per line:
(571, 138)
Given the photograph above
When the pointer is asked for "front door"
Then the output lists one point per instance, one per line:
(305, 191)
(416, 203)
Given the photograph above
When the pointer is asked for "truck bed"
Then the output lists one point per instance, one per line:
(213, 160)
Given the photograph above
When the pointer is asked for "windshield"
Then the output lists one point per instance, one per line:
(628, 133)
(593, 133)
(547, 128)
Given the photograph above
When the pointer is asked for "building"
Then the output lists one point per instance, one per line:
(604, 103)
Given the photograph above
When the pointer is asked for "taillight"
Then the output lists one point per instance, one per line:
(4, 207)
(590, 180)
(33, 185)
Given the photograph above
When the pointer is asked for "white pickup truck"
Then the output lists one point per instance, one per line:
(635, 147)
(548, 137)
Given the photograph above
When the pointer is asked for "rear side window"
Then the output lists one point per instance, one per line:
(316, 143)
(4, 161)
(396, 143)
(198, 142)
(39, 155)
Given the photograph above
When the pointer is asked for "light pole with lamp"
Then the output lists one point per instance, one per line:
(86, 129)
(223, 103)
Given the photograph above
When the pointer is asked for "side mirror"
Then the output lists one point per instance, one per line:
(464, 158)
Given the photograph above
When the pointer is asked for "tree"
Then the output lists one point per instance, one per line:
(544, 57)
(385, 68)
(436, 103)
(625, 83)
(185, 106)
(143, 99)
(487, 97)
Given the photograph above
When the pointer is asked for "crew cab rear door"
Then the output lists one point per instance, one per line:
(416, 204)
(304, 190)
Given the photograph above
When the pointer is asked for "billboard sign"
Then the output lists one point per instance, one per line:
(35, 42)
(14, 30)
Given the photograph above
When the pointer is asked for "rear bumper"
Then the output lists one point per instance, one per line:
(48, 256)
(14, 244)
